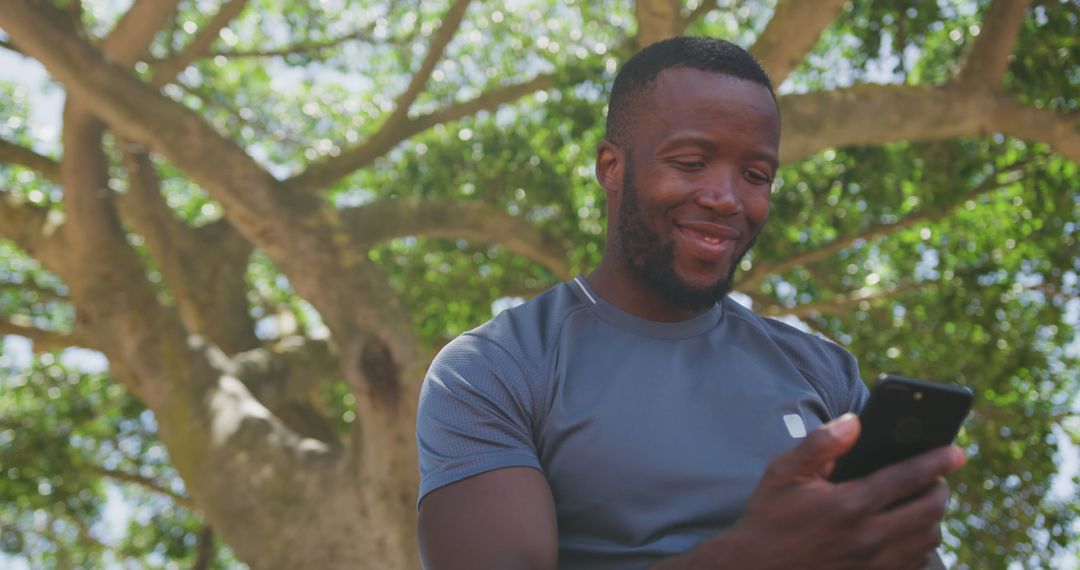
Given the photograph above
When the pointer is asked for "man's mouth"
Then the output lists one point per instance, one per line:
(710, 233)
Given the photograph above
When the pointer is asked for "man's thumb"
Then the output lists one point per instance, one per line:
(823, 445)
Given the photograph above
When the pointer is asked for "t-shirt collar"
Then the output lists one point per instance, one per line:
(617, 317)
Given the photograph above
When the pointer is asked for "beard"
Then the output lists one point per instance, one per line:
(646, 255)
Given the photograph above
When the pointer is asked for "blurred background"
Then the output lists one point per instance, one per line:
(233, 233)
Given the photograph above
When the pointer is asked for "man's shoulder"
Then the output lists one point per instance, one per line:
(827, 366)
(803, 346)
(503, 362)
(484, 397)
(526, 330)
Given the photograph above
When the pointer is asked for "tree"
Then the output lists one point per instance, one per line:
(268, 216)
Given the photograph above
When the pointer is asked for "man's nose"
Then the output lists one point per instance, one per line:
(719, 193)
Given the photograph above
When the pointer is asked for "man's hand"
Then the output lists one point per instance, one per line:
(797, 519)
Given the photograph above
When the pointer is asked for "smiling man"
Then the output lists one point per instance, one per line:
(706, 164)
(640, 418)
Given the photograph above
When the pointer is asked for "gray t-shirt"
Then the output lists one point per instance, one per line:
(651, 435)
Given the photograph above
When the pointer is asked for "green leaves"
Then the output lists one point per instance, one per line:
(78, 456)
(1046, 69)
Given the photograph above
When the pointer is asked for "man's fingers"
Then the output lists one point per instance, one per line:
(913, 529)
(921, 513)
(813, 454)
(917, 532)
(902, 480)
(921, 561)
(827, 469)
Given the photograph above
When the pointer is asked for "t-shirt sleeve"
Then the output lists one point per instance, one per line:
(853, 393)
(475, 414)
(830, 368)
(837, 373)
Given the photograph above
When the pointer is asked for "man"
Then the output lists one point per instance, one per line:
(640, 418)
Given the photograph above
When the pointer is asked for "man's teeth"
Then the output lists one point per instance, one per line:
(710, 239)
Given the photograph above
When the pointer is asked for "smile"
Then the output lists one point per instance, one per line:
(709, 232)
(708, 242)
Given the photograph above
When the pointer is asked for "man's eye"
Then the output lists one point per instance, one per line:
(756, 177)
(690, 164)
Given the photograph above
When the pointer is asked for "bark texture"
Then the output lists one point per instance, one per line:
(657, 20)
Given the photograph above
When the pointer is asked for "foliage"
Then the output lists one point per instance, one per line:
(73, 445)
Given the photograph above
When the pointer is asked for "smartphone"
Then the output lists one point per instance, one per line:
(904, 417)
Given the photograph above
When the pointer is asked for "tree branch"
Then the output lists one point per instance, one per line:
(843, 303)
(4, 44)
(324, 174)
(204, 267)
(484, 102)
(450, 218)
(86, 537)
(84, 172)
(168, 69)
(35, 229)
(136, 29)
(253, 199)
(286, 377)
(100, 250)
(315, 46)
(106, 278)
(989, 56)
(656, 20)
(447, 30)
(75, 14)
(298, 231)
(300, 47)
(792, 32)
(703, 8)
(12, 153)
(210, 103)
(395, 129)
(44, 340)
(1059, 130)
(307, 361)
(762, 270)
(86, 197)
(876, 114)
(53, 529)
(205, 550)
(819, 326)
(144, 482)
(44, 293)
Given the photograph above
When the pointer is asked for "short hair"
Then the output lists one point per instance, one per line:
(639, 73)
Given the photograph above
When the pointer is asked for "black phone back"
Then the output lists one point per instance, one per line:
(904, 417)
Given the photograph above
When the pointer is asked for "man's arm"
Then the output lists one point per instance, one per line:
(502, 519)
(484, 501)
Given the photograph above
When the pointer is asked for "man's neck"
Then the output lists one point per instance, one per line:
(621, 287)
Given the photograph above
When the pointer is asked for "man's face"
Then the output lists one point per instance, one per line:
(696, 181)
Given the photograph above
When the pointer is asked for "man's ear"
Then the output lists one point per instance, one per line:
(610, 163)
